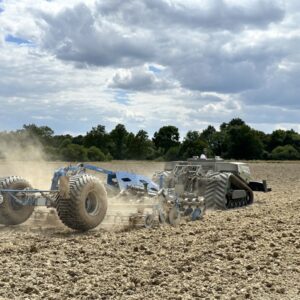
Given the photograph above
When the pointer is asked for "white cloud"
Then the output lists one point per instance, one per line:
(149, 63)
(140, 78)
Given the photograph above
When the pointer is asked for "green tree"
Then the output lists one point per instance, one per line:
(57, 140)
(285, 152)
(73, 152)
(43, 133)
(277, 138)
(264, 138)
(233, 122)
(192, 145)
(208, 133)
(292, 138)
(166, 137)
(208, 136)
(139, 146)
(218, 144)
(243, 143)
(172, 154)
(99, 138)
(79, 140)
(119, 138)
(95, 154)
(65, 143)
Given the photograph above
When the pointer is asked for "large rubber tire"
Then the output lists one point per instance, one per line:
(11, 212)
(87, 205)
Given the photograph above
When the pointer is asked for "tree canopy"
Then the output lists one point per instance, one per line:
(234, 140)
(166, 137)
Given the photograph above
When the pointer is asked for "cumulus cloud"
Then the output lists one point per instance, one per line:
(189, 39)
(140, 79)
(75, 34)
(280, 89)
(149, 63)
(208, 14)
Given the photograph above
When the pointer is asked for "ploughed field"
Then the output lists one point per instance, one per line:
(247, 253)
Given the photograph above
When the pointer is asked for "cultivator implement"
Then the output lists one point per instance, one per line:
(82, 201)
(79, 198)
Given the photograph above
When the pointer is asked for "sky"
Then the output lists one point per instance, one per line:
(74, 64)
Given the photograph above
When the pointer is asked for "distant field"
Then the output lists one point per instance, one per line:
(40, 173)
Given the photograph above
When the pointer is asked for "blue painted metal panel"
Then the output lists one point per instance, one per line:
(126, 180)
(120, 180)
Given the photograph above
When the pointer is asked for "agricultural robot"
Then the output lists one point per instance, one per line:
(220, 184)
(183, 190)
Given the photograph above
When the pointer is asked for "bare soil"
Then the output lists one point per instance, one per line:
(247, 253)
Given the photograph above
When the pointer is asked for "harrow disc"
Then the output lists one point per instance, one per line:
(174, 216)
(197, 214)
(188, 211)
(149, 221)
(162, 217)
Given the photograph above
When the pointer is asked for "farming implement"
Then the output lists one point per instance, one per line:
(220, 184)
(185, 189)
(80, 199)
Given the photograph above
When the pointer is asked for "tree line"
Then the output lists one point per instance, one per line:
(234, 140)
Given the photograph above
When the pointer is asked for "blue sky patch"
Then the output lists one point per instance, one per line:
(121, 97)
(17, 40)
(154, 69)
(1, 9)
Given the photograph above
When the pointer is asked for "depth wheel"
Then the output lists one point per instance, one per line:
(87, 205)
(11, 211)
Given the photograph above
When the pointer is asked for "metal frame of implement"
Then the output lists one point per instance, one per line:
(116, 181)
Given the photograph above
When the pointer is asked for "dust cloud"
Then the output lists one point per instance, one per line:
(25, 157)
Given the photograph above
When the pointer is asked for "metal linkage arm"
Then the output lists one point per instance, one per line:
(97, 169)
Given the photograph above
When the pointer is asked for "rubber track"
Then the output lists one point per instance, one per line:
(238, 182)
(216, 189)
(68, 209)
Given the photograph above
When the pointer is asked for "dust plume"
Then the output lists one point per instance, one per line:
(21, 148)
(23, 155)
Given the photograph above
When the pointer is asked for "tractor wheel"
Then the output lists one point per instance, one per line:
(12, 212)
(87, 205)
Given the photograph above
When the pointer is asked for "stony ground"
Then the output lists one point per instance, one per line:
(249, 253)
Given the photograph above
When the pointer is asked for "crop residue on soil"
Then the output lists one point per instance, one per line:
(248, 253)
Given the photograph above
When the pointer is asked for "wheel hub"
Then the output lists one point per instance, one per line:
(91, 204)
